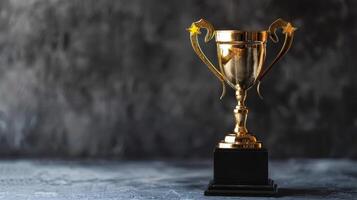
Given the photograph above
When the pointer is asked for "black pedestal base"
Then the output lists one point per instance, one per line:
(242, 190)
(241, 172)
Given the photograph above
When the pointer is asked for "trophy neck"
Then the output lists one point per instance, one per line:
(236, 36)
(240, 138)
(241, 112)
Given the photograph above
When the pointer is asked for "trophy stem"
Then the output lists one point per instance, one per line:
(241, 113)
(241, 138)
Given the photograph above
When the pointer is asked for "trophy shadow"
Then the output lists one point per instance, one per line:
(313, 192)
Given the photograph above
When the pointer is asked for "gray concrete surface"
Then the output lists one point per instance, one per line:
(57, 179)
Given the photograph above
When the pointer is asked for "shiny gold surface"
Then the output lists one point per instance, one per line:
(288, 31)
(241, 63)
(231, 36)
(241, 55)
(194, 30)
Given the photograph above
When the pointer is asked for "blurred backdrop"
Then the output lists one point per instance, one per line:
(119, 79)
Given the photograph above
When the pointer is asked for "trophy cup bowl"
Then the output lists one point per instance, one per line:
(240, 161)
(241, 56)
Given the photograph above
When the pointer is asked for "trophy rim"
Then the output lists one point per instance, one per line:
(240, 31)
(241, 36)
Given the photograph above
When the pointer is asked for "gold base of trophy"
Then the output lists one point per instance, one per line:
(236, 141)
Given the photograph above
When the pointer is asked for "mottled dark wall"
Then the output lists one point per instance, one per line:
(119, 78)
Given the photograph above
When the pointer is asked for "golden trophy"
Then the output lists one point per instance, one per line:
(240, 161)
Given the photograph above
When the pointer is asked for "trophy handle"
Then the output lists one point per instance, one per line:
(288, 30)
(194, 30)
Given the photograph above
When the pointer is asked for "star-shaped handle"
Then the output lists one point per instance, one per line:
(288, 30)
(195, 30)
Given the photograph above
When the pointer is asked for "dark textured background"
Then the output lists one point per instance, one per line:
(119, 79)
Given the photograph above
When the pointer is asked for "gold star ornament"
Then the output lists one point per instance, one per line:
(193, 29)
(289, 29)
